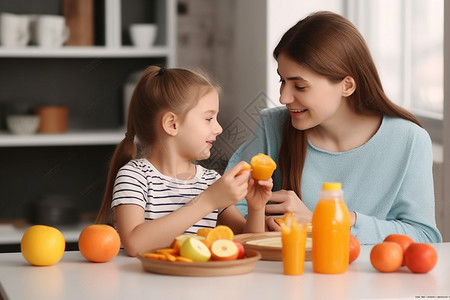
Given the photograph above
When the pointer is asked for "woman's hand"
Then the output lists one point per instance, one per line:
(259, 193)
(284, 202)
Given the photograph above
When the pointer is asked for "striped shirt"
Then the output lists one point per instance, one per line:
(140, 183)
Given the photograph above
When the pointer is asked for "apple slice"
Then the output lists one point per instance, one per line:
(194, 249)
(178, 240)
(223, 249)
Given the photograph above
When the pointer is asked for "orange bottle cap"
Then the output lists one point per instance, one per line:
(331, 186)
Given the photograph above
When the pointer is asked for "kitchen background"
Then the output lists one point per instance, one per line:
(232, 40)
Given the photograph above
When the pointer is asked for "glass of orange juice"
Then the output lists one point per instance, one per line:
(293, 241)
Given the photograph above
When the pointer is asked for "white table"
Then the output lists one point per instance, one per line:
(123, 278)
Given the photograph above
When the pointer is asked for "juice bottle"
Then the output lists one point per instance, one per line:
(330, 231)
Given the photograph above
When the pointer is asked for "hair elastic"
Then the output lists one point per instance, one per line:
(161, 71)
(129, 136)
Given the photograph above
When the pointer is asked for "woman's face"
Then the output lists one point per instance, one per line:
(311, 98)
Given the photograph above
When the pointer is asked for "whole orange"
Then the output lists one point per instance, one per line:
(42, 245)
(354, 248)
(386, 256)
(420, 257)
(99, 243)
(403, 240)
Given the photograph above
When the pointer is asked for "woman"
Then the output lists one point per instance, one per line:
(339, 125)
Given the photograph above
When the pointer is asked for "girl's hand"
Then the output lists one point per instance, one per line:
(287, 201)
(230, 188)
(259, 192)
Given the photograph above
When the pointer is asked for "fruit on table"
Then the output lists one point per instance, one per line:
(354, 248)
(403, 240)
(204, 231)
(42, 245)
(241, 249)
(262, 166)
(179, 240)
(386, 256)
(420, 257)
(194, 249)
(99, 243)
(223, 249)
(220, 232)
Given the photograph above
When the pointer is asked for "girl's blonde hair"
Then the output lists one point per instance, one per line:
(158, 90)
(330, 45)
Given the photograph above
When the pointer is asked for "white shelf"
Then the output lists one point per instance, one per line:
(75, 52)
(71, 138)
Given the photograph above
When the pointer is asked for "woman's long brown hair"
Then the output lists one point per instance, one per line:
(330, 45)
(158, 90)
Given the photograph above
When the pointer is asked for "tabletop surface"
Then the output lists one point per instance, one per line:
(124, 278)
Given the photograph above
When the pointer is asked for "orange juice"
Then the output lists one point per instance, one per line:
(293, 240)
(330, 232)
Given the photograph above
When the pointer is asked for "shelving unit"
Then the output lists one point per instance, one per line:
(90, 80)
(82, 52)
(71, 138)
(114, 48)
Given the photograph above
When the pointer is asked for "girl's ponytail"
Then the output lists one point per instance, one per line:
(125, 151)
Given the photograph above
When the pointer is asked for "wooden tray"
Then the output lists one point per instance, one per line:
(268, 252)
(210, 268)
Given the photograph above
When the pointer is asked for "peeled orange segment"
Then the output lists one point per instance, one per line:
(170, 251)
(155, 256)
(220, 232)
(262, 166)
(204, 231)
(245, 166)
(183, 259)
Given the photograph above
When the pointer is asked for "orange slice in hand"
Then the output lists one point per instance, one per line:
(245, 166)
(262, 166)
(220, 232)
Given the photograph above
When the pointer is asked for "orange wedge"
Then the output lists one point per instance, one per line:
(220, 232)
(184, 259)
(245, 166)
(204, 231)
(155, 256)
(284, 219)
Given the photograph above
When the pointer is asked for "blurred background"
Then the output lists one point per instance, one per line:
(76, 76)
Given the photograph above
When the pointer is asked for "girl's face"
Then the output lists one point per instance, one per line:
(200, 127)
(311, 98)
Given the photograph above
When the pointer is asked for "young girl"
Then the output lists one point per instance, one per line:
(337, 124)
(153, 197)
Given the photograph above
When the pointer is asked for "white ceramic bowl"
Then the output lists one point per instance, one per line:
(23, 124)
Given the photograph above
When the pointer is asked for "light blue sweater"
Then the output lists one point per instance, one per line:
(388, 181)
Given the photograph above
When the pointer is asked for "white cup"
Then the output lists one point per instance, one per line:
(49, 31)
(143, 35)
(14, 30)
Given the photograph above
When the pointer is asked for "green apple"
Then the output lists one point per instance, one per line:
(178, 240)
(223, 249)
(194, 249)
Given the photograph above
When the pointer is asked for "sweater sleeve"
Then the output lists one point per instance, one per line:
(412, 212)
(266, 138)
